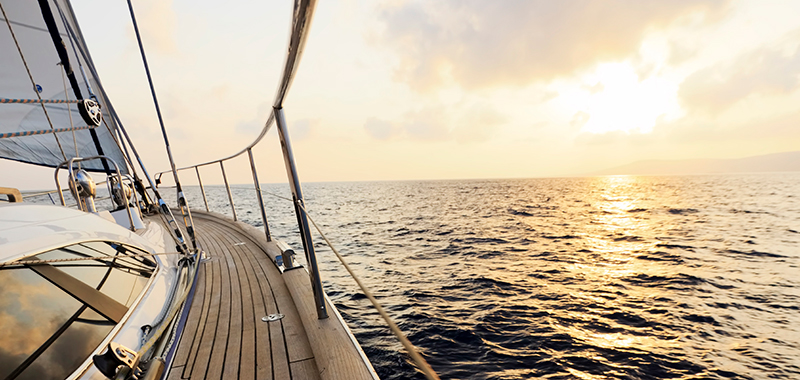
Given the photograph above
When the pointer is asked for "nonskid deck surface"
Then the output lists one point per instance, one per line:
(224, 336)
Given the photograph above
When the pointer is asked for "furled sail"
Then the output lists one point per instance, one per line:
(40, 118)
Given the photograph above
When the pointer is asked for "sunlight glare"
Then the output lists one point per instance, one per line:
(614, 99)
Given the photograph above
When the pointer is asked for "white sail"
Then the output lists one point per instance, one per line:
(30, 70)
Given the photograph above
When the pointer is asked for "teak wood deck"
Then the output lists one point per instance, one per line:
(224, 336)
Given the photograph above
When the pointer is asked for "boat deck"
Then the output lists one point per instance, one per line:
(224, 336)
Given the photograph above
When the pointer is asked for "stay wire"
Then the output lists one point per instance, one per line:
(186, 213)
(410, 348)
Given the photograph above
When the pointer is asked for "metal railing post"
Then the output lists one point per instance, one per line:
(227, 187)
(302, 220)
(202, 189)
(258, 194)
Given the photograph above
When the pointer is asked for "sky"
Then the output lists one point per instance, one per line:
(399, 90)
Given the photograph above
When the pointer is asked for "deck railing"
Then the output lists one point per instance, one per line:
(297, 197)
(301, 22)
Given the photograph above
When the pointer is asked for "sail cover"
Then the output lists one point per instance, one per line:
(26, 124)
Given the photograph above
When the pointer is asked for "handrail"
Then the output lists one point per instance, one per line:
(301, 22)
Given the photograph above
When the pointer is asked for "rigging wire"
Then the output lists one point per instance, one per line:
(33, 82)
(185, 211)
(119, 140)
(410, 348)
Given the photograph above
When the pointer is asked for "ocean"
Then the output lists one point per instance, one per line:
(622, 277)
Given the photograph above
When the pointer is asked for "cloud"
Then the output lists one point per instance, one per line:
(428, 124)
(478, 124)
(465, 124)
(764, 72)
(379, 129)
(253, 126)
(302, 129)
(480, 44)
(597, 87)
(579, 119)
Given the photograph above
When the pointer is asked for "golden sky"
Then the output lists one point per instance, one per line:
(457, 89)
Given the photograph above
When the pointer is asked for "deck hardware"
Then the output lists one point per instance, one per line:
(116, 356)
(90, 112)
(239, 243)
(272, 318)
(299, 210)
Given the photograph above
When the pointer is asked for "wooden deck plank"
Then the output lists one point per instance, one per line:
(225, 337)
(305, 370)
(234, 349)
(273, 348)
(335, 354)
(263, 301)
(204, 351)
(175, 373)
(280, 358)
(246, 359)
(293, 329)
(247, 370)
(206, 287)
(216, 360)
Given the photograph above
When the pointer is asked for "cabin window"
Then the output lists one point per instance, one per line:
(53, 315)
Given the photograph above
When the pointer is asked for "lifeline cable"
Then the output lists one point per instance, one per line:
(412, 351)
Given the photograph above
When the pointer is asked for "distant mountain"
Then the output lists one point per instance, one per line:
(777, 162)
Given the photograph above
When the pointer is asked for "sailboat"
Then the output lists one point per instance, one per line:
(111, 281)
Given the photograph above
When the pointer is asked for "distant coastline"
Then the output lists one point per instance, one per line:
(776, 162)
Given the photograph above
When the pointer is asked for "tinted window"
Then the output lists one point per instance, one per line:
(46, 332)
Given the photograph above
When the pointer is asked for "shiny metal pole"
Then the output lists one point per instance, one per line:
(302, 220)
(258, 194)
(202, 189)
(230, 196)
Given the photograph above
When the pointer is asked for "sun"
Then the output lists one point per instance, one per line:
(614, 99)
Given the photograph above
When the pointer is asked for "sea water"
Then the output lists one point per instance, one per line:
(622, 277)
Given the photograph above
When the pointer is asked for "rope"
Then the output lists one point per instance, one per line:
(33, 83)
(277, 196)
(93, 258)
(42, 132)
(36, 101)
(412, 351)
